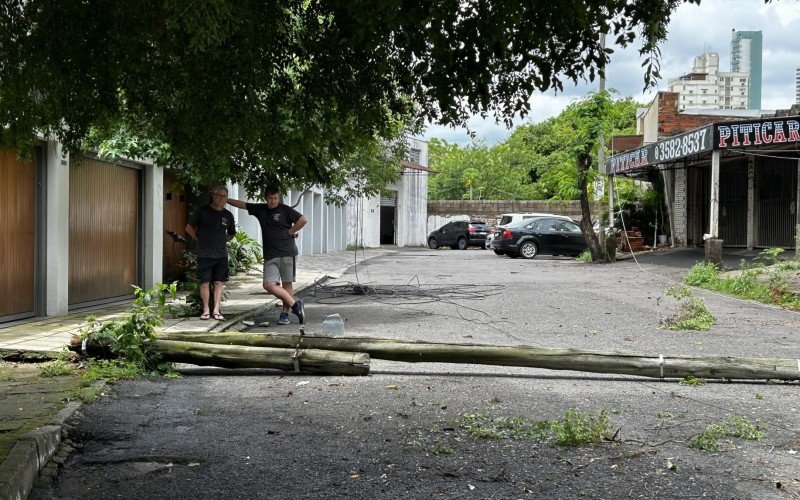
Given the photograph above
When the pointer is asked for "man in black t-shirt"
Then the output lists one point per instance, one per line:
(279, 226)
(212, 226)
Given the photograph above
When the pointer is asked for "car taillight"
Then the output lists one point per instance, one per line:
(506, 234)
(470, 229)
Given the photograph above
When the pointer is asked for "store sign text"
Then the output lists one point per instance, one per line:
(757, 133)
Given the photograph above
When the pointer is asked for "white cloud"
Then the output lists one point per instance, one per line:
(693, 29)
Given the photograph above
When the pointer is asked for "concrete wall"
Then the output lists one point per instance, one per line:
(490, 210)
(437, 221)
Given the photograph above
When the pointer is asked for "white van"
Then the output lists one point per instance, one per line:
(506, 219)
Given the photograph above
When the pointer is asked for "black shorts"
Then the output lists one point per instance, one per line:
(212, 269)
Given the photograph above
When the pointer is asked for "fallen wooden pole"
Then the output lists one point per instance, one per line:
(237, 356)
(617, 362)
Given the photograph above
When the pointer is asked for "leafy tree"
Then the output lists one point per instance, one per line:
(257, 91)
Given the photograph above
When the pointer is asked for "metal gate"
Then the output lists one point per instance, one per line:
(103, 231)
(176, 214)
(698, 182)
(17, 237)
(776, 187)
(733, 203)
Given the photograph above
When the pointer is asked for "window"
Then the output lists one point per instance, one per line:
(546, 225)
(568, 227)
(414, 155)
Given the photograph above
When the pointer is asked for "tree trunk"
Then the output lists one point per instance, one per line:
(626, 363)
(598, 254)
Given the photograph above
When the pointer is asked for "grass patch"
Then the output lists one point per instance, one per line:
(109, 370)
(691, 314)
(442, 449)
(56, 368)
(575, 429)
(586, 256)
(732, 426)
(766, 281)
(692, 381)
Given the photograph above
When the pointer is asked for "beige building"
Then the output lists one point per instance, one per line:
(708, 88)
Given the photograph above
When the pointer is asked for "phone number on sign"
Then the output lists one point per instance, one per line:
(685, 145)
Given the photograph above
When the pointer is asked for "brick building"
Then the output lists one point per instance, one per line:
(729, 175)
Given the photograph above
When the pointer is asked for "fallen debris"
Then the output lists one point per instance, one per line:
(617, 362)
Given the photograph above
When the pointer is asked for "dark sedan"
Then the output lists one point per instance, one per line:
(546, 235)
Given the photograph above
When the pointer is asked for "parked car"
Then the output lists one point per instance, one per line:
(554, 235)
(459, 235)
(506, 219)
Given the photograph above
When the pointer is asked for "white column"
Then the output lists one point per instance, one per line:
(307, 239)
(57, 231)
(318, 222)
(153, 225)
(797, 216)
(714, 226)
(751, 198)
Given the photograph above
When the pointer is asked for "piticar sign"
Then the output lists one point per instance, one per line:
(673, 148)
(756, 133)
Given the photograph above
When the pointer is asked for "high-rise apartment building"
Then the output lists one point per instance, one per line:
(797, 86)
(746, 57)
(708, 88)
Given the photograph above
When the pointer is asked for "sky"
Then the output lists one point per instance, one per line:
(693, 29)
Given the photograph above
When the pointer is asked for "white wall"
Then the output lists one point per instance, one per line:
(153, 233)
(412, 208)
(437, 221)
(57, 231)
(326, 225)
(364, 222)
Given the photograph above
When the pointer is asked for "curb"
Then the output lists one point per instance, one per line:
(262, 309)
(33, 451)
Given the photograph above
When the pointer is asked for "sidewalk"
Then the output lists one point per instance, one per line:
(33, 408)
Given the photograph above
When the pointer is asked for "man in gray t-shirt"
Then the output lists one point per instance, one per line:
(279, 226)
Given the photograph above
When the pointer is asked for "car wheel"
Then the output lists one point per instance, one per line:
(512, 255)
(528, 250)
(499, 252)
(432, 243)
(462, 243)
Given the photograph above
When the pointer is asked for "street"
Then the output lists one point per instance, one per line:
(404, 430)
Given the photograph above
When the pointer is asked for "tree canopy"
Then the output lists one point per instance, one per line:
(537, 161)
(260, 90)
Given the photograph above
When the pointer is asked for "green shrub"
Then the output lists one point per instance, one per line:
(702, 274)
(128, 337)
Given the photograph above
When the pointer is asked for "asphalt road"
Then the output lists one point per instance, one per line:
(402, 431)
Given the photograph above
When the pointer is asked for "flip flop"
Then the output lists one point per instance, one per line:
(205, 316)
(218, 316)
